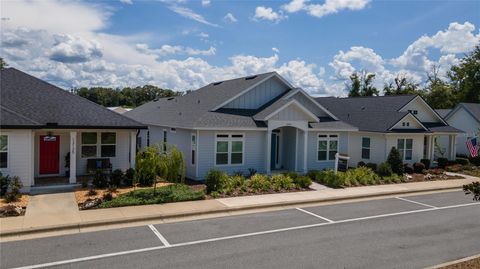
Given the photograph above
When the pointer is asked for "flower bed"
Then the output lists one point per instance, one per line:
(13, 209)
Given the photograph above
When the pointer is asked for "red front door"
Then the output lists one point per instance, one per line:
(49, 154)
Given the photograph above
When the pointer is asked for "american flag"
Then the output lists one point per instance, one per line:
(472, 146)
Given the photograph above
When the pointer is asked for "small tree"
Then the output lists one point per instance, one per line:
(474, 189)
(395, 161)
(147, 166)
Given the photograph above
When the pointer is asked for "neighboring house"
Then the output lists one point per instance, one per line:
(41, 123)
(119, 109)
(465, 117)
(262, 122)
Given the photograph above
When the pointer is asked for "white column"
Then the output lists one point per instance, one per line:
(133, 148)
(296, 149)
(305, 149)
(432, 148)
(451, 147)
(73, 157)
(269, 150)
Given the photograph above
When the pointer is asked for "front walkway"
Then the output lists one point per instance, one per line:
(54, 212)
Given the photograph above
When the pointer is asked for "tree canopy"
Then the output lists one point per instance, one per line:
(361, 84)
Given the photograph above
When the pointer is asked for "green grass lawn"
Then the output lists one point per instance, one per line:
(166, 194)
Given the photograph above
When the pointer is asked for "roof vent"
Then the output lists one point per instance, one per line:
(180, 113)
(362, 108)
(217, 83)
(171, 98)
(198, 101)
(250, 77)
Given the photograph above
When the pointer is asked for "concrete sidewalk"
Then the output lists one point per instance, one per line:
(63, 217)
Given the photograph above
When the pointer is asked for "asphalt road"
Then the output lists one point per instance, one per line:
(404, 232)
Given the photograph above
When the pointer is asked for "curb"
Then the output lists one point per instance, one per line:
(439, 266)
(207, 212)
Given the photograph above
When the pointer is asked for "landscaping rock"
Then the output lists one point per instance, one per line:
(91, 203)
(10, 211)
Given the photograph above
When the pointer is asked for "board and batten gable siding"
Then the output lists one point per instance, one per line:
(378, 151)
(180, 138)
(464, 121)
(425, 113)
(312, 150)
(308, 104)
(410, 123)
(290, 113)
(20, 156)
(254, 152)
(259, 95)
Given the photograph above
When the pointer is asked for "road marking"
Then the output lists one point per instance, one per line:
(315, 215)
(159, 235)
(415, 202)
(127, 252)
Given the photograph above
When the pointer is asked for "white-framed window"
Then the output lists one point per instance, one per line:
(194, 149)
(406, 124)
(414, 112)
(366, 148)
(3, 151)
(89, 144)
(229, 149)
(108, 145)
(101, 144)
(327, 147)
(405, 147)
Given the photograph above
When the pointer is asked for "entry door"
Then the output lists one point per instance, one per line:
(49, 154)
(275, 154)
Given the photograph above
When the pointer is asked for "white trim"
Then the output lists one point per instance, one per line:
(297, 90)
(328, 145)
(333, 130)
(192, 135)
(7, 151)
(98, 145)
(229, 141)
(293, 102)
(369, 148)
(196, 152)
(274, 74)
(296, 149)
(429, 107)
(413, 117)
(405, 147)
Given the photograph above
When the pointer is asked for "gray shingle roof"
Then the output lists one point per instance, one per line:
(28, 102)
(443, 112)
(472, 108)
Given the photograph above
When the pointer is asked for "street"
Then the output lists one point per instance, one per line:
(399, 232)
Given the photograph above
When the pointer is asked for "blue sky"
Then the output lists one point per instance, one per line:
(186, 44)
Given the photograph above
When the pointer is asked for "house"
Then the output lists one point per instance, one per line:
(262, 122)
(41, 123)
(465, 117)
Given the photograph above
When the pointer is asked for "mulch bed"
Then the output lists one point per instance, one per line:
(470, 264)
(14, 209)
(238, 194)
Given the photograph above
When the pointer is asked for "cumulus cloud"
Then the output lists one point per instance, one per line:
(190, 14)
(166, 50)
(230, 18)
(128, 2)
(267, 13)
(206, 3)
(329, 7)
(69, 49)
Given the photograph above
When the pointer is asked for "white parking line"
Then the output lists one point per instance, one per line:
(415, 202)
(159, 235)
(114, 254)
(315, 215)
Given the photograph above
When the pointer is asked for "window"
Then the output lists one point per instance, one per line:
(3, 151)
(194, 148)
(406, 124)
(365, 147)
(229, 149)
(89, 145)
(148, 138)
(108, 141)
(173, 130)
(405, 147)
(164, 140)
(327, 147)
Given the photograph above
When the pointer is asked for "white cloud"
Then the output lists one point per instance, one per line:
(329, 7)
(267, 13)
(230, 18)
(206, 3)
(128, 2)
(167, 50)
(276, 50)
(190, 14)
(69, 49)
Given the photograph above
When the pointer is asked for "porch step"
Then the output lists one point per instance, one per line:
(53, 189)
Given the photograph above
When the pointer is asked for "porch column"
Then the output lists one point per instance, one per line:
(305, 149)
(133, 148)
(432, 148)
(451, 147)
(73, 157)
(269, 150)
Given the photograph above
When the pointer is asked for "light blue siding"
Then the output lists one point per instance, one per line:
(254, 153)
(312, 163)
(259, 95)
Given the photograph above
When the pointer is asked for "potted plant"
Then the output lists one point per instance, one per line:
(67, 164)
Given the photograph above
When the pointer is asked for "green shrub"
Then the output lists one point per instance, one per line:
(175, 165)
(108, 196)
(442, 162)
(314, 175)
(394, 178)
(129, 176)
(418, 168)
(302, 182)
(362, 175)
(291, 174)
(282, 182)
(216, 180)
(116, 177)
(372, 166)
(385, 170)
(165, 194)
(426, 162)
(4, 182)
(474, 189)
(147, 166)
(475, 160)
(463, 161)
(251, 172)
(15, 186)
(259, 182)
(361, 164)
(236, 181)
(329, 178)
(407, 168)
(395, 161)
(99, 179)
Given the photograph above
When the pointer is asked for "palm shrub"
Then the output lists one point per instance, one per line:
(282, 182)
(395, 161)
(216, 180)
(259, 182)
(385, 170)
